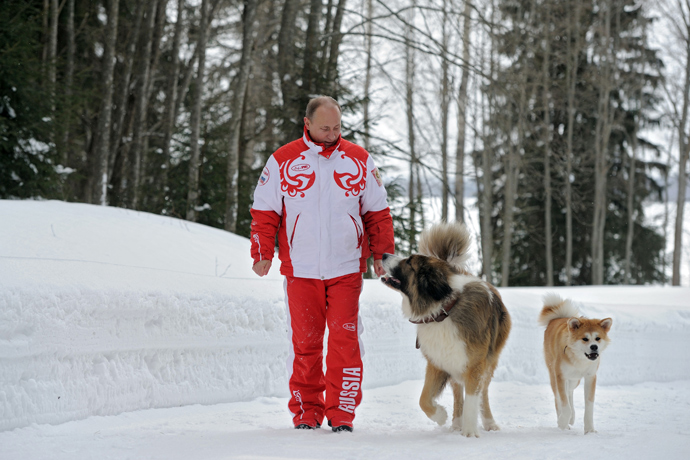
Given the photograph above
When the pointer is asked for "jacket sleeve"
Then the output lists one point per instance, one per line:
(266, 212)
(376, 214)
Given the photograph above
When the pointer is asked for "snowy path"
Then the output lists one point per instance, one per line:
(648, 420)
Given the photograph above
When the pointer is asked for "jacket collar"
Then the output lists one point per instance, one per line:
(319, 147)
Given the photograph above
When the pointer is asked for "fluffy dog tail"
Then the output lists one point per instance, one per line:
(555, 307)
(446, 241)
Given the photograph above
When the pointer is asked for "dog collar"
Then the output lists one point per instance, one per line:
(440, 316)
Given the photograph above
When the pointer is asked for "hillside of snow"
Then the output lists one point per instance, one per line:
(106, 311)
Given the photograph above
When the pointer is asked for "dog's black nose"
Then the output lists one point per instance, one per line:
(594, 348)
(385, 256)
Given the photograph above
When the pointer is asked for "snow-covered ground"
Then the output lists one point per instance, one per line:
(130, 335)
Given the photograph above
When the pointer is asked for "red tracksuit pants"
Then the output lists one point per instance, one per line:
(312, 304)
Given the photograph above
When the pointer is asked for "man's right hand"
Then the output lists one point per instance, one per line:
(262, 267)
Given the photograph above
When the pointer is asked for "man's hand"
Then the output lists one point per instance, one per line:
(378, 267)
(262, 267)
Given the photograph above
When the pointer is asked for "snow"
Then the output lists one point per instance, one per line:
(130, 335)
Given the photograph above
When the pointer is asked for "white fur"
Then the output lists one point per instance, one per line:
(443, 346)
(564, 309)
(470, 412)
(458, 282)
(440, 416)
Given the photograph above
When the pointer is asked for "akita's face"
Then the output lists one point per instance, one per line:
(423, 280)
(589, 337)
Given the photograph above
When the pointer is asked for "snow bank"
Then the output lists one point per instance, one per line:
(105, 310)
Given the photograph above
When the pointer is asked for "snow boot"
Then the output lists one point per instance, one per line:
(340, 428)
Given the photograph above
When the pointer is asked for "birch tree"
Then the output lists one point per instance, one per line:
(98, 192)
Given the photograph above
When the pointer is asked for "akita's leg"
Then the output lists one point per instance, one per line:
(562, 404)
(487, 417)
(571, 384)
(458, 400)
(554, 388)
(590, 388)
(473, 387)
(434, 382)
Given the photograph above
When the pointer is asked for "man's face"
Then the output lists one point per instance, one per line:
(324, 127)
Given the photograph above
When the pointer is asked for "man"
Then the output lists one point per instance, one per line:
(324, 198)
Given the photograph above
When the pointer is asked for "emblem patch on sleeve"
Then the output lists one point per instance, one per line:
(377, 176)
(265, 175)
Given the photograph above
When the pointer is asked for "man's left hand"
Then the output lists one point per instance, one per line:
(378, 267)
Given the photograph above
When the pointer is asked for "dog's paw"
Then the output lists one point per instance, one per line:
(470, 432)
(590, 429)
(440, 416)
(457, 424)
(490, 425)
(564, 419)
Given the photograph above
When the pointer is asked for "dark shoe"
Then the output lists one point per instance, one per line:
(338, 429)
(304, 426)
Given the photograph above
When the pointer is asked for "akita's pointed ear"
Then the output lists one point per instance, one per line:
(574, 324)
(433, 283)
(606, 324)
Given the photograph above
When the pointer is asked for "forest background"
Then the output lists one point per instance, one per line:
(559, 120)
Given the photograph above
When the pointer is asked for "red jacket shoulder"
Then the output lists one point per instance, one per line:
(354, 149)
(290, 150)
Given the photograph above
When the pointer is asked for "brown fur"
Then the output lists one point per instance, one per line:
(464, 349)
(568, 342)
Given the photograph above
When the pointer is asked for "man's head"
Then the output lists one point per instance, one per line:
(323, 120)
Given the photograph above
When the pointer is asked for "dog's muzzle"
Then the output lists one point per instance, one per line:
(389, 261)
(592, 356)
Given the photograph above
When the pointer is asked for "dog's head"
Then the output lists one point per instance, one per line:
(589, 337)
(423, 281)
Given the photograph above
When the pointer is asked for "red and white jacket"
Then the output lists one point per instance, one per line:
(328, 207)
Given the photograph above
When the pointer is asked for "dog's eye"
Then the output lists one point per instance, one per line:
(585, 339)
(598, 339)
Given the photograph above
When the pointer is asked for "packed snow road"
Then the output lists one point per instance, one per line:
(643, 421)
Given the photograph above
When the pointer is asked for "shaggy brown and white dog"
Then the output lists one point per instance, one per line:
(462, 324)
(572, 348)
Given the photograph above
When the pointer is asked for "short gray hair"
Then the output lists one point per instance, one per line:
(317, 102)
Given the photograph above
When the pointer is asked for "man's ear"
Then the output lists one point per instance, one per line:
(306, 122)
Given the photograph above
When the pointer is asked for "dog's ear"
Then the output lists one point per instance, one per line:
(606, 324)
(574, 324)
(433, 283)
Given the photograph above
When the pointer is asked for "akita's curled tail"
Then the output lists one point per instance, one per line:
(555, 307)
(446, 241)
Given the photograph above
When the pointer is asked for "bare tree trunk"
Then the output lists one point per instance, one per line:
(510, 189)
(547, 150)
(69, 82)
(231, 198)
(52, 57)
(118, 153)
(171, 98)
(368, 41)
(601, 144)
(99, 178)
(195, 123)
(573, 47)
(631, 204)
(310, 69)
(286, 56)
(487, 170)
(334, 51)
(462, 116)
(445, 102)
(141, 106)
(683, 148)
(409, 102)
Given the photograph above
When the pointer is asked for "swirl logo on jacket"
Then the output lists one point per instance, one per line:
(294, 182)
(352, 183)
